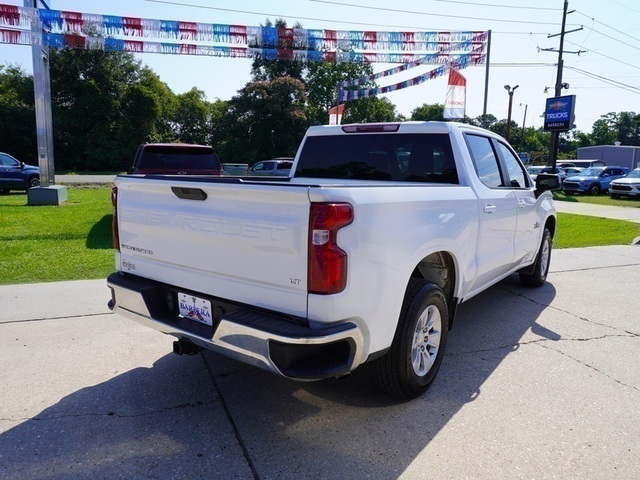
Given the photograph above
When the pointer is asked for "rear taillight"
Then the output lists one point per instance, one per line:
(327, 261)
(114, 224)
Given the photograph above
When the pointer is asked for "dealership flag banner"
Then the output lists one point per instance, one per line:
(335, 114)
(454, 103)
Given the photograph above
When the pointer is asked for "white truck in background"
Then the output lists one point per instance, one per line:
(361, 255)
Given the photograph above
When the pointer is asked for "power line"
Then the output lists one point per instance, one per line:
(626, 6)
(327, 20)
(497, 5)
(278, 15)
(615, 83)
(614, 38)
(413, 12)
(608, 26)
(610, 57)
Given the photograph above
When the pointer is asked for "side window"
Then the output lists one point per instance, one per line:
(7, 161)
(484, 160)
(517, 177)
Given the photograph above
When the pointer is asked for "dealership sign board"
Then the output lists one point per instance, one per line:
(559, 113)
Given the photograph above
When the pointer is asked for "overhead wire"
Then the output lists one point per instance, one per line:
(608, 26)
(430, 14)
(595, 76)
(328, 20)
(483, 4)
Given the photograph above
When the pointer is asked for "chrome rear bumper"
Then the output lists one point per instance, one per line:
(278, 343)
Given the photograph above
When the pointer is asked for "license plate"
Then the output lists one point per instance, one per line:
(195, 308)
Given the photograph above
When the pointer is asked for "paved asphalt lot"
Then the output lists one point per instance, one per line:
(536, 383)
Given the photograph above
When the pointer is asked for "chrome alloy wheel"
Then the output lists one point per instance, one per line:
(545, 255)
(426, 340)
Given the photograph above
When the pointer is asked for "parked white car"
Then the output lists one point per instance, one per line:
(626, 186)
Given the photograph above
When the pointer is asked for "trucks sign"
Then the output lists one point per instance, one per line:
(559, 113)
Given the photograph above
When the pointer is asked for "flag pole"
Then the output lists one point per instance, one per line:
(337, 105)
(486, 81)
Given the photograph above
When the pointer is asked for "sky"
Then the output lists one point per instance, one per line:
(604, 76)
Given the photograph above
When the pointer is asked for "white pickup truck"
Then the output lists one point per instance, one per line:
(361, 255)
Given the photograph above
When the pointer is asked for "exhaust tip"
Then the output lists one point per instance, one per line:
(185, 347)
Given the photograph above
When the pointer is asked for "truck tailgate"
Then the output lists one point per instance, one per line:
(245, 242)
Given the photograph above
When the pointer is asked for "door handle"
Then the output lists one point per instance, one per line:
(489, 208)
(522, 204)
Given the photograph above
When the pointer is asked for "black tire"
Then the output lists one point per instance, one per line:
(538, 276)
(567, 193)
(594, 189)
(613, 195)
(33, 182)
(410, 366)
(4, 191)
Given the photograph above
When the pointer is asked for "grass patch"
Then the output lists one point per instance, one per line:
(73, 241)
(574, 231)
(52, 243)
(598, 200)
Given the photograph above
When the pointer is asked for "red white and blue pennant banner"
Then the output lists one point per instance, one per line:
(107, 32)
(345, 95)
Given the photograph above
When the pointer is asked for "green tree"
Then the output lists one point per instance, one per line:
(603, 131)
(322, 79)
(266, 119)
(218, 134)
(162, 128)
(427, 113)
(101, 111)
(628, 126)
(191, 118)
(17, 115)
(368, 110)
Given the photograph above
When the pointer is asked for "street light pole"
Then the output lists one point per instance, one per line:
(524, 120)
(510, 92)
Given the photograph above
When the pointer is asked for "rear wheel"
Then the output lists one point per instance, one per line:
(4, 191)
(538, 276)
(410, 366)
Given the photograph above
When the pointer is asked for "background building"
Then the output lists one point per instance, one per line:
(613, 155)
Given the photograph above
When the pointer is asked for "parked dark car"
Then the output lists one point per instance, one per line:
(280, 167)
(15, 175)
(175, 159)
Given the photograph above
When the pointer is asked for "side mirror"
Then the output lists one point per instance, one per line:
(547, 182)
(21, 165)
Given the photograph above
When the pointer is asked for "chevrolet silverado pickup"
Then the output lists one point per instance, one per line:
(361, 255)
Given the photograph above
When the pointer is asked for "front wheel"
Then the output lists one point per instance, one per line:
(410, 366)
(538, 276)
(33, 182)
(594, 189)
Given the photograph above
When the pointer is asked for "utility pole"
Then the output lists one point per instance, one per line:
(553, 148)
